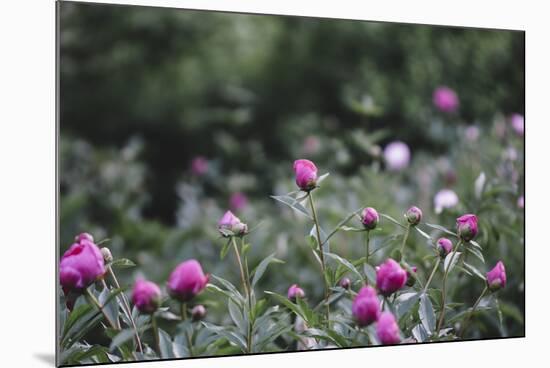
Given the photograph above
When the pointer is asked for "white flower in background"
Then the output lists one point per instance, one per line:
(445, 198)
(397, 156)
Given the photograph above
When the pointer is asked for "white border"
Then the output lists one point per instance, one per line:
(27, 186)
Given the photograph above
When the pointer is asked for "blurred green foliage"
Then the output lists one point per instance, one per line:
(145, 90)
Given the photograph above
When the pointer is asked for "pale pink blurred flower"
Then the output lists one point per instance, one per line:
(312, 144)
(445, 99)
(511, 154)
(199, 165)
(518, 123)
(521, 202)
(397, 156)
(238, 201)
(445, 198)
(471, 133)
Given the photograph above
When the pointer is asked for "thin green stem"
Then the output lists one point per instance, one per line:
(183, 308)
(468, 317)
(444, 290)
(250, 291)
(246, 287)
(367, 247)
(407, 231)
(126, 308)
(321, 256)
(156, 333)
(436, 265)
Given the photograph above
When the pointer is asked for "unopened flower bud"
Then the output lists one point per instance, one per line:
(366, 306)
(306, 174)
(387, 329)
(198, 312)
(345, 283)
(466, 226)
(496, 278)
(390, 277)
(413, 215)
(107, 256)
(369, 218)
(295, 292)
(444, 246)
(230, 222)
(146, 296)
(411, 280)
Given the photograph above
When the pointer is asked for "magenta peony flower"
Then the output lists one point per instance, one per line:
(387, 329)
(81, 265)
(187, 280)
(445, 198)
(410, 279)
(345, 283)
(445, 99)
(198, 312)
(369, 218)
(518, 124)
(238, 201)
(390, 277)
(306, 174)
(496, 278)
(413, 215)
(466, 226)
(397, 156)
(366, 306)
(445, 246)
(294, 292)
(199, 166)
(146, 296)
(230, 222)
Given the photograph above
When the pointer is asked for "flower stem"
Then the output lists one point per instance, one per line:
(183, 307)
(321, 256)
(156, 333)
(246, 287)
(367, 248)
(93, 300)
(405, 237)
(444, 290)
(126, 308)
(437, 261)
(464, 325)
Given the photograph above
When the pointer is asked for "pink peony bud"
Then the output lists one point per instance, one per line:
(80, 266)
(369, 218)
(445, 99)
(518, 124)
(230, 222)
(345, 283)
(466, 226)
(146, 296)
(445, 198)
(413, 215)
(366, 306)
(199, 166)
(238, 201)
(295, 292)
(410, 279)
(84, 236)
(496, 278)
(387, 329)
(306, 174)
(397, 156)
(198, 312)
(445, 246)
(390, 277)
(187, 280)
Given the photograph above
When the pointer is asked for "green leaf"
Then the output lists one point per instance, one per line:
(166, 345)
(447, 263)
(225, 249)
(237, 316)
(123, 263)
(392, 220)
(476, 252)
(78, 312)
(426, 314)
(321, 178)
(423, 233)
(261, 268)
(121, 338)
(229, 286)
(419, 333)
(344, 263)
(354, 229)
(287, 303)
(405, 302)
(441, 228)
(476, 244)
(370, 272)
(474, 270)
(294, 204)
